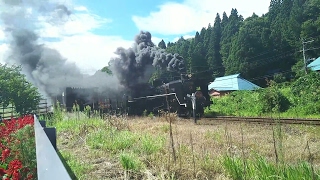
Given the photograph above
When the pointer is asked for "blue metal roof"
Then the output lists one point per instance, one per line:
(315, 65)
(232, 83)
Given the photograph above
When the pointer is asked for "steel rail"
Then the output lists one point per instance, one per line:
(304, 121)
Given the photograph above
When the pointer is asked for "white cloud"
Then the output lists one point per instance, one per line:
(75, 41)
(3, 52)
(79, 45)
(90, 52)
(81, 8)
(76, 24)
(2, 35)
(155, 40)
(184, 37)
(192, 15)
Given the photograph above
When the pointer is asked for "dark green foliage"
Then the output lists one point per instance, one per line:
(248, 103)
(229, 35)
(162, 44)
(272, 99)
(306, 91)
(279, 78)
(251, 40)
(106, 70)
(16, 90)
(213, 56)
(256, 47)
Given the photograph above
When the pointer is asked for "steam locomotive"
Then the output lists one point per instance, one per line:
(144, 98)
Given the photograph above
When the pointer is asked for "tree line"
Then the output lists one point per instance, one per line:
(17, 91)
(257, 47)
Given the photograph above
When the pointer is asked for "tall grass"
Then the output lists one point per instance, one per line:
(143, 150)
(111, 140)
(260, 168)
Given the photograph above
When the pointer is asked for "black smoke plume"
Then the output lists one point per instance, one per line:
(51, 73)
(136, 64)
(43, 66)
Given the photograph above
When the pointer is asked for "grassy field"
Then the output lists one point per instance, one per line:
(154, 148)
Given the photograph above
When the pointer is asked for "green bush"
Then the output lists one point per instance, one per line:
(306, 92)
(298, 99)
(272, 100)
(250, 103)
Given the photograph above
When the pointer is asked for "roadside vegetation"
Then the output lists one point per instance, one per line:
(167, 147)
(297, 99)
(16, 91)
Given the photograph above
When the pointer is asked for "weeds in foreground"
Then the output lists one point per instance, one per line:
(111, 140)
(260, 168)
(117, 148)
(79, 169)
(130, 161)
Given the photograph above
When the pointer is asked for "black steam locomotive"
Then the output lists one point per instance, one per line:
(142, 98)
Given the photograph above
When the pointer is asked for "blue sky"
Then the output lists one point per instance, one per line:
(121, 13)
(96, 28)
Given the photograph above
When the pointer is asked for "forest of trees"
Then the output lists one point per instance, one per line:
(257, 47)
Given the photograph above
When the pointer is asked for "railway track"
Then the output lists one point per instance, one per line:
(262, 120)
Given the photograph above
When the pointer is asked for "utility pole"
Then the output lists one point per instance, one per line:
(304, 55)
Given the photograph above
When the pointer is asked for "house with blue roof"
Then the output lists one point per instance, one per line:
(315, 65)
(224, 85)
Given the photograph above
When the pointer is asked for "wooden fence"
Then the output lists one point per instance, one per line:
(9, 111)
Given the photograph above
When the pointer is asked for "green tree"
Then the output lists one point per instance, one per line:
(311, 27)
(213, 56)
(256, 46)
(249, 42)
(196, 57)
(207, 37)
(16, 90)
(162, 44)
(106, 70)
(230, 27)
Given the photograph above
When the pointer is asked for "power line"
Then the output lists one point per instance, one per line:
(304, 56)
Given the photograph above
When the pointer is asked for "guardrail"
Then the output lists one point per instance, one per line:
(49, 164)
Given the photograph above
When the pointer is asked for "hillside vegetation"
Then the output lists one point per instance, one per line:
(257, 47)
(299, 98)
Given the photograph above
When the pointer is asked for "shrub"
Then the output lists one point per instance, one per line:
(306, 92)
